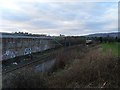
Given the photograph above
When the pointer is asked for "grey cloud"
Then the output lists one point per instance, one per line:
(65, 18)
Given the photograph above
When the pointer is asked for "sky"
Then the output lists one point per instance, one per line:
(59, 17)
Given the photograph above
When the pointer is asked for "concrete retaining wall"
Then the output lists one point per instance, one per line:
(12, 47)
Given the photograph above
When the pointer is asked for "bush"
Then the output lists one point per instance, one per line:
(67, 56)
(24, 79)
(85, 69)
(97, 69)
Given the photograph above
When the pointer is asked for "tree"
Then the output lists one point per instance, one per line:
(101, 39)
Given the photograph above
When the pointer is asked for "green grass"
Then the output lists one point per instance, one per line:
(114, 47)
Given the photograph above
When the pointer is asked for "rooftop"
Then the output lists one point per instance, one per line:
(23, 35)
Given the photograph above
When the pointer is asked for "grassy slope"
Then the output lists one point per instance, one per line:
(75, 69)
(98, 69)
(114, 47)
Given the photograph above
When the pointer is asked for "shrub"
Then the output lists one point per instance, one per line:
(24, 79)
(97, 69)
(85, 69)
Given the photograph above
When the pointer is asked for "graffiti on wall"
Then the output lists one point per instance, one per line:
(9, 54)
(27, 51)
(23, 46)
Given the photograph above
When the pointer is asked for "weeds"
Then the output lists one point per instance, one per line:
(75, 68)
(24, 79)
(97, 69)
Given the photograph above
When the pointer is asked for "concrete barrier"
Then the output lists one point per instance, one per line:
(16, 45)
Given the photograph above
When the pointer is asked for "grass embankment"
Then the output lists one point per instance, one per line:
(96, 69)
(77, 68)
(112, 47)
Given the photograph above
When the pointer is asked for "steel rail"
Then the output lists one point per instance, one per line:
(41, 60)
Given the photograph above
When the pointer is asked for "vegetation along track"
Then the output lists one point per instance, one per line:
(32, 59)
(40, 59)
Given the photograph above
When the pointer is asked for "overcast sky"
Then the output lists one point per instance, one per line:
(54, 18)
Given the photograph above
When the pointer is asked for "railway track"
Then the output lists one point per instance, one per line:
(35, 58)
(40, 60)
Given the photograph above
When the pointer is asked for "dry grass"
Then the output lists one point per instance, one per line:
(95, 70)
(64, 58)
(24, 79)
(75, 68)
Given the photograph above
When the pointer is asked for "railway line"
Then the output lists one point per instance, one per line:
(37, 59)
(43, 59)
(40, 59)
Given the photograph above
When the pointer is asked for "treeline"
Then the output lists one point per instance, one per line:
(76, 40)
(105, 39)
(70, 41)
